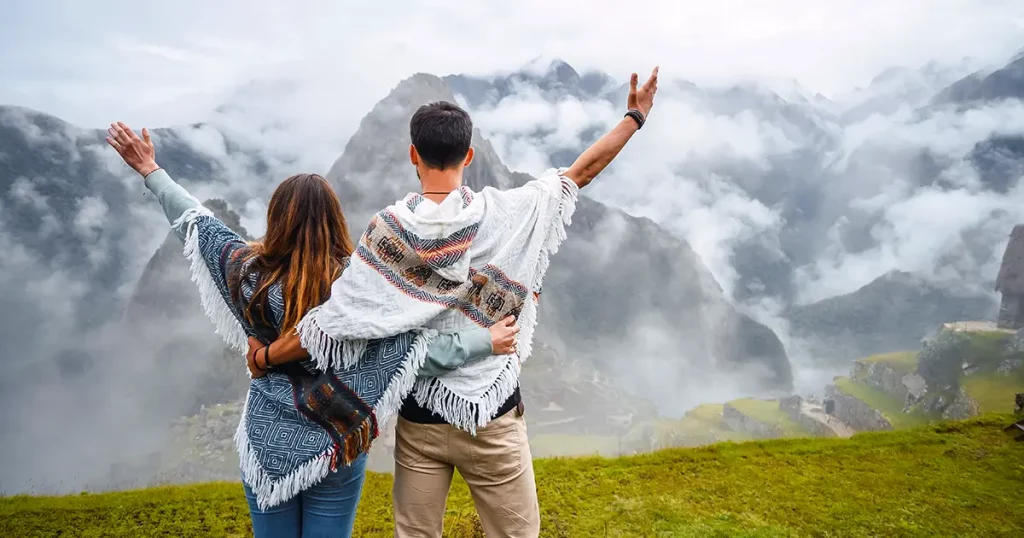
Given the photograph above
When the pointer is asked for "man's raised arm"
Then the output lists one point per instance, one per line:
(592, 161)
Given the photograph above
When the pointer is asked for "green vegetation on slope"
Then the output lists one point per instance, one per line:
(987, 348)
(768, 412)
(701, 425)
(994, 392)
(710, 414)
(954, 479)
(891, 408)
(904, 362)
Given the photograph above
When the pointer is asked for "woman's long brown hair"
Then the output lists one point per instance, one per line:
(304, 248)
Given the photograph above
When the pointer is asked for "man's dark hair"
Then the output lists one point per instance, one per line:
(442, 133)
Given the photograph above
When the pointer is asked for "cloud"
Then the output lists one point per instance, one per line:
(727, 168)
(24, 192)
(89, 63)
(92, 213)
(929, 233)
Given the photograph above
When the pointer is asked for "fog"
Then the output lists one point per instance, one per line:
(768, 133)
(707, 171)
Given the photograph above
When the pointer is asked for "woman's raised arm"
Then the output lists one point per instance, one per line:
(140, 154)
(209, 243)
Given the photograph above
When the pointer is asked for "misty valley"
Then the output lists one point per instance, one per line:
(764, 263)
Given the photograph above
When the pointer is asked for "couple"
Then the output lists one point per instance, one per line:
(422, 317)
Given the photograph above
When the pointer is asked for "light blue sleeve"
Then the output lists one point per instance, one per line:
(450, 351)
(173, 198)
(447, 352)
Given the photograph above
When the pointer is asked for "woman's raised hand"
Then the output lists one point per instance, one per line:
(138, 153)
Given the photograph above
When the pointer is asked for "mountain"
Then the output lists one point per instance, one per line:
(894, 312)
(620, 286)
(770, 182)
(552, 78)
(999, 158)
(1006, 82)
(901, 87)
(76, 226)
(776, 167)
(76, 229)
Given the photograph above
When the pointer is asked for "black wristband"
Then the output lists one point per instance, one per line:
(256, 359)
(266, 358)
(637, 116)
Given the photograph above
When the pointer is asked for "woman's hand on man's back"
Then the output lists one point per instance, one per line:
(138, 153)
(504, 336)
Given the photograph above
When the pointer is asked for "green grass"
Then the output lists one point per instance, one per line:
(701, 425)
(768, 412)
(891, 408)
(987, 348)
(951, 479)
(710, 414)
(904, 362)
(993, 392)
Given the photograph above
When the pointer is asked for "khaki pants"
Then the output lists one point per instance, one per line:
(496, 465)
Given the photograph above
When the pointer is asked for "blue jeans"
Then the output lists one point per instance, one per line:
(327, 509)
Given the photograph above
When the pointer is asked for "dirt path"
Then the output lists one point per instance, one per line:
(817, 413)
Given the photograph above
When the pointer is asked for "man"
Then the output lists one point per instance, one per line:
(445, 261)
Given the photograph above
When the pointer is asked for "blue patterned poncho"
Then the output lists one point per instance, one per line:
(298, 422)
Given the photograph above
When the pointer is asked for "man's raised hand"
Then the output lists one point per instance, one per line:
(138, 153)
(642, 98)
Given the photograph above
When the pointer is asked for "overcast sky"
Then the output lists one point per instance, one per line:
(170, 62)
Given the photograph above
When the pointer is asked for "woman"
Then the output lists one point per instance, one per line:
(304, 434)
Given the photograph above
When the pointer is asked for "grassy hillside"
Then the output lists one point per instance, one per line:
(951, 479)
(904, 362)
(891, 408)
(702, 425)
(994, 392)
(768, 412)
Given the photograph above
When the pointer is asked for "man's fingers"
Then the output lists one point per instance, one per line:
(508, 321)
(118, 134)
(113, 144)
(130, 133)
(632, 82)
(145, 136)
(652, 82)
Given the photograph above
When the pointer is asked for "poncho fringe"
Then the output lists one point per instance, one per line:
(224, 321)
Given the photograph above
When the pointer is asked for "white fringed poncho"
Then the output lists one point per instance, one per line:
(475, 258)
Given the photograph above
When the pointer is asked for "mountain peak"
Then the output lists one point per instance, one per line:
(375, 173)
(1004, 83)
(543, 65)
(418, 89)
(552, 69)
